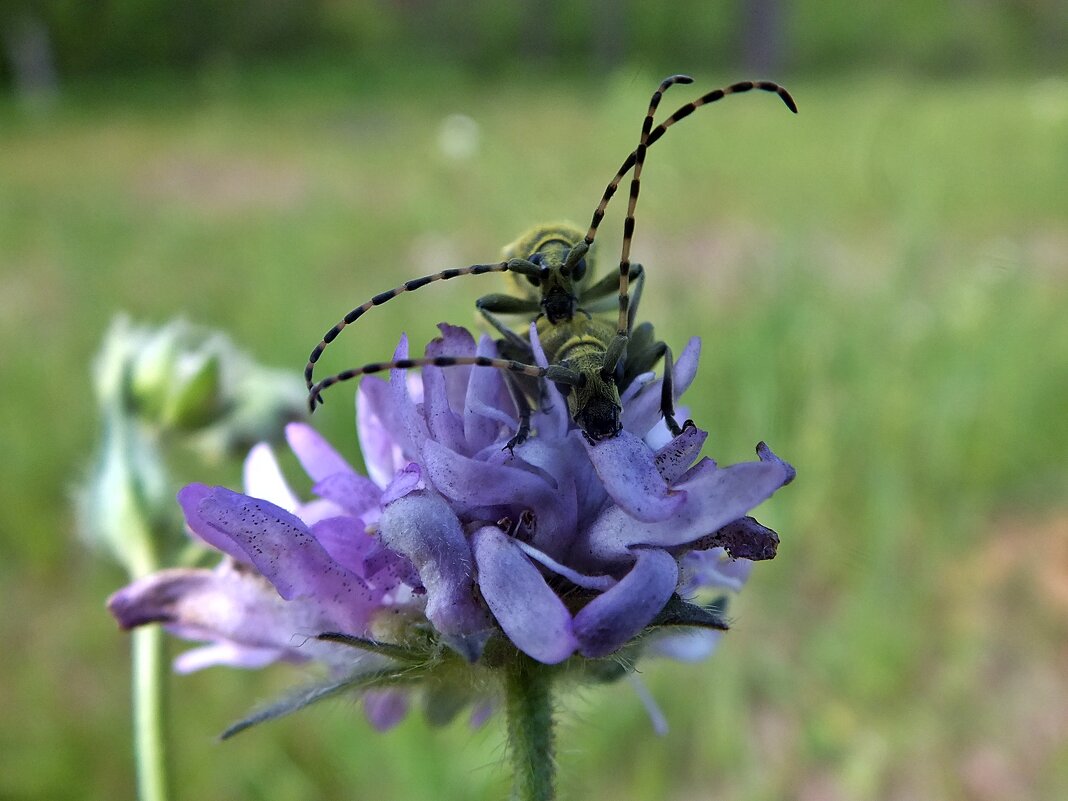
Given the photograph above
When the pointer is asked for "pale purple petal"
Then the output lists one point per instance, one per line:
(444, 425)
(686, 366)
(477, 483)
(227, 654)
(404, 482)
(444, 388)
(454, 341)
(423, 528)
(382, 448)
(487, 405)
(189, 498)
(404, 405)
(713, 569)
(385, 708)
(263, 478)
(642, 412)
(688, 645)
(285, 552)
(714, 497)
(652, 708)
(346, 541)
(553, 419)
(316, 455)
(480, 713)
(629, 472)
(229, 606)
(351, 492)
(766, 455)
(599, 583)
(530, 613)
(607, 622)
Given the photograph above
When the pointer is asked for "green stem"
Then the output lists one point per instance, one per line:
(150, 745)
(530, 730)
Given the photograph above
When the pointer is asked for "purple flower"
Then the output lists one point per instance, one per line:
(561, 549)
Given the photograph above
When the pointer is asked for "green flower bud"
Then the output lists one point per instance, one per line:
(195, 394)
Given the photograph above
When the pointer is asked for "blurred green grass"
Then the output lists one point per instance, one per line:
(880, 284)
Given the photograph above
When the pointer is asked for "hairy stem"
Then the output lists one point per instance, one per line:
(530, 730)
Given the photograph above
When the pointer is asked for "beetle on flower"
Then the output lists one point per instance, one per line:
(454, 556)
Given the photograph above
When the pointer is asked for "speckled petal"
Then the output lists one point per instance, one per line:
(285, 552)
(189, 498)
(675, 458)
(629, 472)
(530, 613)
(423, 528)
(608, 621)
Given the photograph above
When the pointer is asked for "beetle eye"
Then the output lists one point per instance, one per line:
(580, 270)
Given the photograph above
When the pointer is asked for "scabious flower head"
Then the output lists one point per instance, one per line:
(459, 550)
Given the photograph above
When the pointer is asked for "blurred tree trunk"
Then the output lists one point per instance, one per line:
(538, 44)
(28, 47)
(763, 37)
(609, 34)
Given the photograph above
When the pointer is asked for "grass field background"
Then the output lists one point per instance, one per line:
(880, 283)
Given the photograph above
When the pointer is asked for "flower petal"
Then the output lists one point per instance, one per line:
(380, 437)
(236, 609)
(227, 654)
(714, 497)
(352, 492)
(487, 404)
(263, 478)
(599, 583)
(316, 455)
(629, 472)
(423, 528)
(285, 552)
(744, 538)
(475, 483)
(689, 645)
(385, 708)
(675, 458)
(642, 412)
(766, 455)
(189, 498)
(713, 569)
(530, 613)
(607, 622)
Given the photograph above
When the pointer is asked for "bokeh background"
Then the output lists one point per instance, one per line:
(881, 283)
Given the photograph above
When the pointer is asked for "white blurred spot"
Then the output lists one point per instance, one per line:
(459, 137)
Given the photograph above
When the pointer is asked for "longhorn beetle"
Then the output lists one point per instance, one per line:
(589, 361)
